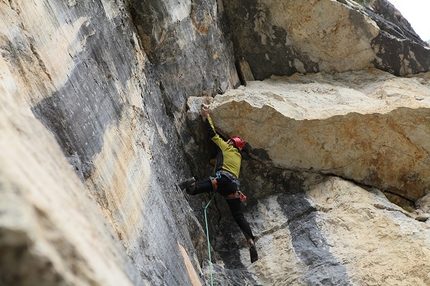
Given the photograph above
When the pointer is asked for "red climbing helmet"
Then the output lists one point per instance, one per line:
(239, 142)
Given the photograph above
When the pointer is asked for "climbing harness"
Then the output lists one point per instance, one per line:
(237, 195)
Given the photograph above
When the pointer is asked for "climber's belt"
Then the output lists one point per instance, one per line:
(226, 174)
(230, 176)
(237, 195)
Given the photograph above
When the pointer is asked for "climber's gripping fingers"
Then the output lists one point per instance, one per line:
(205, 110)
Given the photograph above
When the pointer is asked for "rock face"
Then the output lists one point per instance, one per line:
(281, 37)
(80, 69)
(99, 121)
(51, 232)
(386, 231)
(186, 43)
(367, 126)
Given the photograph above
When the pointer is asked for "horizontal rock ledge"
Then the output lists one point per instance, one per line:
(367, 126)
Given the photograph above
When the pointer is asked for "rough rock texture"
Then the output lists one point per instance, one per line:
(337, 233)
(326, 231)
(390, 249)
(281, 37)
(368, 126)
(95, 133)
(79, 68)
(188, 47)
(51, 231)
(300, 219)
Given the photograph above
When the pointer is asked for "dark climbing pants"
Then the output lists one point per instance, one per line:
(225, 188)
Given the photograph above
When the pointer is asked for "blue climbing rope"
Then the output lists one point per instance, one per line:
(207, 238)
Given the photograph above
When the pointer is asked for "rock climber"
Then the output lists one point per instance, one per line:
(226, 182)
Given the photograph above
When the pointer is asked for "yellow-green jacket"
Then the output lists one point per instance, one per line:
(228, 158)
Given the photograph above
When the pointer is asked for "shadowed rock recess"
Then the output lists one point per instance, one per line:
(99, 121)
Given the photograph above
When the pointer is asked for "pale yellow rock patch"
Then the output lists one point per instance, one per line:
(195, 281)
(376, 241)
(47, 45)
(337, 45)
(121, 176)
(368, 126)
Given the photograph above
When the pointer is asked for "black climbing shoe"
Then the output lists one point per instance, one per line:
(253, 252)
(186, 184)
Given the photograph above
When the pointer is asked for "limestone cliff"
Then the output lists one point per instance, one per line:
(99, 121)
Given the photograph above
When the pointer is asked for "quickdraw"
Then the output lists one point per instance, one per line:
(214, 181)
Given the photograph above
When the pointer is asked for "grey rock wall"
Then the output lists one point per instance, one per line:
(187, 44)
(99, 121)
(52, 232)
(83, 73)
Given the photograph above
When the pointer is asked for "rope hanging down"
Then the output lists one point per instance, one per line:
(207, 237)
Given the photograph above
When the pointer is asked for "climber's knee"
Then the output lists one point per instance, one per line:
(190, 190)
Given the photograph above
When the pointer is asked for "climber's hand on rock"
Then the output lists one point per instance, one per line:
(205, 110)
